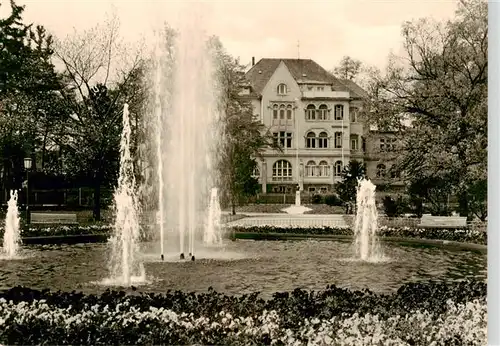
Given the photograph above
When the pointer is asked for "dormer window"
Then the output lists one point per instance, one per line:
(282, 89)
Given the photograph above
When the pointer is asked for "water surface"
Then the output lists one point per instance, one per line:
(247, 266)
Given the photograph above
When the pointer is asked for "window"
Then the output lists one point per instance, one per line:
(311, 112)
(324, 169)
(387, 144)
(280, 189)
(310, 140)
(275, 112)
(338, 139)
(363, 144)
(390, 144)
(282, 170)
(323, 112)
(311, 189)
(321, 170)
(310, 168)
(317, 142)
(282, 112)
(323, 190)
(282, 138)
(354, 143)
(338, 168)
(323, 140)
(381, 171)
(353, 114)
(289, 109)
(339, 112)
(394, 173)
(320, 88)
(282, 89)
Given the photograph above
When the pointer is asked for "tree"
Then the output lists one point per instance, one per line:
(347, 187)
(478, 199)
(13, 48)
(100, 80)
(28, 87)
(431, 191)
(441, 87)
(244, 136)
(348, 68)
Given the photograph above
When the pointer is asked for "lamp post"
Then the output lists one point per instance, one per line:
(297, 163)
(27, 167)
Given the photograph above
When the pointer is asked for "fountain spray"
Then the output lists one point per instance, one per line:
(126, 266)
(11, 236)
(366, 223)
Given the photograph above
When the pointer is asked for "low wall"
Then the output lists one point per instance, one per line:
(65, 239)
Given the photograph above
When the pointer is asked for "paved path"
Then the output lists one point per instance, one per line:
(287, 220)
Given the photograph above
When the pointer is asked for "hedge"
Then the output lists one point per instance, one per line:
(464, 235)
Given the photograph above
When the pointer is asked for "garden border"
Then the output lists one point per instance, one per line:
(326, 237)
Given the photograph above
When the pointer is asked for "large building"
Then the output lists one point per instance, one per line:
(380, 156)
(313, 115)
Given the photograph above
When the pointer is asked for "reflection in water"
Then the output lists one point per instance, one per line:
(244, 267)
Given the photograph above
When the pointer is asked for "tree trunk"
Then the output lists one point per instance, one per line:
(463, 204)
(233, 205)
(44, 144)
(97, 196)
(97, 201)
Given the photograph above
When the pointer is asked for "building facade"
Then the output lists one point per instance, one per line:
(313, 115)
(380, 157)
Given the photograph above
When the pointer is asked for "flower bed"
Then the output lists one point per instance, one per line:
(468, 235)
(418, 314)
(62, 230)
(459, 235)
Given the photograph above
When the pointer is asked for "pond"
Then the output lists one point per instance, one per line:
(244, 266)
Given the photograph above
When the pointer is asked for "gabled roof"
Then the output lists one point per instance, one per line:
(302, 70)
(354, 88)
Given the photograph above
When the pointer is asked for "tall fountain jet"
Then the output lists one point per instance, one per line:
(125, 265)
(366, 223)
(11, 236)
(188, 135)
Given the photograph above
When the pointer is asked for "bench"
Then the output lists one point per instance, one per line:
(429, 221)
(53, 218)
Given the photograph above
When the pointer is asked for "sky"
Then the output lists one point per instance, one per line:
(324, 31)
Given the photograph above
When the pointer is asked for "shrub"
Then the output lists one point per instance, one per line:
(390, 207)
(316, 199)
(333, 200)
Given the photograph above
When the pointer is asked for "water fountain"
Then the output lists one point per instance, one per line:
(213, 235)
(187, 137)
(11, 236)
(125, 265)
(159, 133)
(365, 225)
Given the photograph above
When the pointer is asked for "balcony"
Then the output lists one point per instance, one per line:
(325, 94)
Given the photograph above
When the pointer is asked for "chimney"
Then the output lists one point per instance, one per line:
(253, 60)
